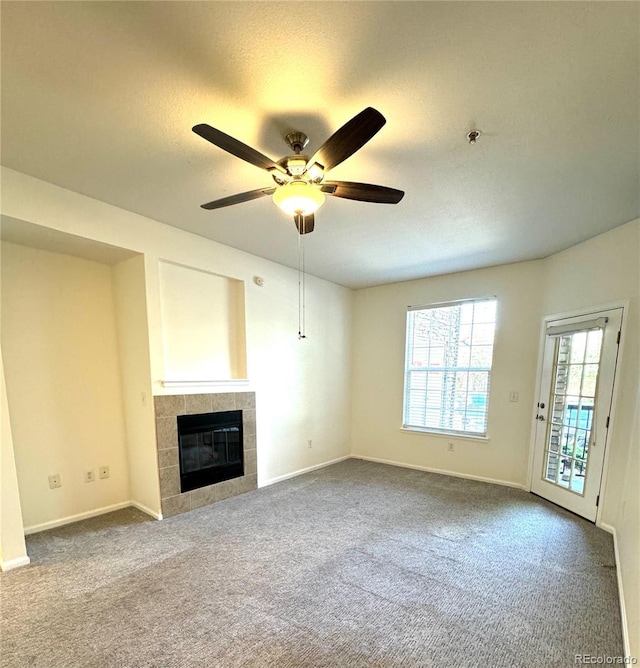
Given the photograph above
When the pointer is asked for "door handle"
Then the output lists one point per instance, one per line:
(540, 417)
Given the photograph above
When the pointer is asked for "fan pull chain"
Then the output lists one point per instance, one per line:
(301, 284)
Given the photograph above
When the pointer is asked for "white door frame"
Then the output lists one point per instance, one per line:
(586, 311)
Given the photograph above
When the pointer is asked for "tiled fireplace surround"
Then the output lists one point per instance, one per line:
(167, 408)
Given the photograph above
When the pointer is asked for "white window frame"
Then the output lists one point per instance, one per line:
(406, 425)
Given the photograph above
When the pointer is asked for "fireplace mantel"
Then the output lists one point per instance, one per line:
(230, 382)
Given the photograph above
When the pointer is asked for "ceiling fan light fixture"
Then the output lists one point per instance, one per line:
(298, 197)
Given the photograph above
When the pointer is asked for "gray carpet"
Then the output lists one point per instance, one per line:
(358, 564)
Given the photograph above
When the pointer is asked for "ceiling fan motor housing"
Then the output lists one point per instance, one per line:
(294, 165)
(297, 141)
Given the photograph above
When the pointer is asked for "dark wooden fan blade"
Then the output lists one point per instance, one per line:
(349, 138)
(237, 199)
(363, 192)
(305, 224)
(236, 147)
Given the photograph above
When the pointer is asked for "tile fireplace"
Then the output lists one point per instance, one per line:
(206, 448)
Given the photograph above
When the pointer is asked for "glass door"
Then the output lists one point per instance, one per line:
(573, 409)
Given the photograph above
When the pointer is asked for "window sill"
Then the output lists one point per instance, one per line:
(443, 434)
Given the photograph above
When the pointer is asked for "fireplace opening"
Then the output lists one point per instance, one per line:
(210, 448)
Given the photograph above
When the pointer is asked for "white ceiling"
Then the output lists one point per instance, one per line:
(100, 98)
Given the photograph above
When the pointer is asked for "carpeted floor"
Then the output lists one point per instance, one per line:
(357, 564)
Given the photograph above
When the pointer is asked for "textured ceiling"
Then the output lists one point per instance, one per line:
(100, 98)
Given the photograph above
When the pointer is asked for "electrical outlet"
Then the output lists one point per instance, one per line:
(55, 481)
(450, 446)
(309, 443)
(90, 475)
(103, 472)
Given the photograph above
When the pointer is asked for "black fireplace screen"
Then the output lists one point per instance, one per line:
(211, 448)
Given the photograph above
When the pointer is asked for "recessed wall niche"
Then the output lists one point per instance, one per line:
(203, 325)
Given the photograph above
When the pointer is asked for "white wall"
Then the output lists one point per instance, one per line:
(135, 372)
(378, 373)
(600, 271)
(627, 529)
(13, 551)
(310, 383)
(62, 373)
(302, 387)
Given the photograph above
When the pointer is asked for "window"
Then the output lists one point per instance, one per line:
(448, 366)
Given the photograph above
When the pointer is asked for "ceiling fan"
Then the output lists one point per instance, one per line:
(300, 186)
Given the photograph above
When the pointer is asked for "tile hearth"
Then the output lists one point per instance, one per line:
(167, 408)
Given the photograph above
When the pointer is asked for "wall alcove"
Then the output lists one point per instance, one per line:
(203, 325)
(76, 354)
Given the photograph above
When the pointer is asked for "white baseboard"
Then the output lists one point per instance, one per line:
(623, 610)
(14, 563)
(145, 509)
(429, 469)
(286, 476)
(36, 528)
(389, 462)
